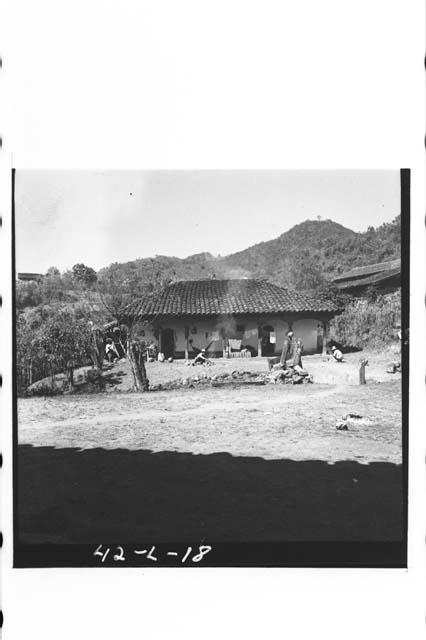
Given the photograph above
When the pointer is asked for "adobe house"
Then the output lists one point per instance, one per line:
(230, 315)
(385, 277)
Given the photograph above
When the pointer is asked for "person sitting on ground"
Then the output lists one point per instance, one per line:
(111, 351)
(200, 358)
(337, 354)
(152, 350)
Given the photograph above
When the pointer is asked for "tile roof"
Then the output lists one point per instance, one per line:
(221, 297)
(369, 270)
(367, 281)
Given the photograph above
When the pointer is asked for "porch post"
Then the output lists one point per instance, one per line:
(160, 341)
(224, 349)
(259, 342)
(325, 326)
(186, 332)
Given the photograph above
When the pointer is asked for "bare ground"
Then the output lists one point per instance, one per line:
(274, 421)
(259, 463)
(324, 369)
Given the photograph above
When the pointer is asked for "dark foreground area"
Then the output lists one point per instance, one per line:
(72, 496)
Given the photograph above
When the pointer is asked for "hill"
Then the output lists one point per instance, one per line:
(305, 257)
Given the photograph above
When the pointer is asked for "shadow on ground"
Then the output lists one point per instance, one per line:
(113, 378)
(99, 495)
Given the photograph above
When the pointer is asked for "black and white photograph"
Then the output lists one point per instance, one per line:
(212, 310)
(211, 368)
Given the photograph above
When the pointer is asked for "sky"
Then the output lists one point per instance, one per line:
(100, 217)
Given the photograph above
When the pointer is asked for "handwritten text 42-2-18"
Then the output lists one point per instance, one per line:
(119, 555)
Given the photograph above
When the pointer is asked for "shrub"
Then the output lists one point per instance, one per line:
(50, 340)
(368, 323)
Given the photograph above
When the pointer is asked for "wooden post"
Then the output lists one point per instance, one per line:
(186, 332)
(70, 371)
(52, 375)
(362, 365)
(160, 342)
(325, 326)
(259, 342)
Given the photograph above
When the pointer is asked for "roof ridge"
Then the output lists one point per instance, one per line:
(211, 296)
(260, 279)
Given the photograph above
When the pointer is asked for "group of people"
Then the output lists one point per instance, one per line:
(291, 352)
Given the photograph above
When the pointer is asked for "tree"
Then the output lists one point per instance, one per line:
(66, 341)
(122, 293)
(372, 293)
(28, 294)
(52, 286)
(84, 275)
(51, 339)
(306, 275)
(53, 271)
(30, 362)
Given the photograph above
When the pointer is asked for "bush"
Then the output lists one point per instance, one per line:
(44, 388)
(28, 294)
(50, 340)
(368, 323)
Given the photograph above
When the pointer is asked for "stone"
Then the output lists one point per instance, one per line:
(300, 371)
(341, 426)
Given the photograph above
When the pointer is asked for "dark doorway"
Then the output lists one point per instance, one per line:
(268, 340)
(168, 342)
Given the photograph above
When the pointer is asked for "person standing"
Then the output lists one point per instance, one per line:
(288, 348)
(297, 355)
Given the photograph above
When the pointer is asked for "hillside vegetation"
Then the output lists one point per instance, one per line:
(305, 257)
(54, 313)
(368, 323)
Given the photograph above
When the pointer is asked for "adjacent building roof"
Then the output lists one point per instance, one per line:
(369, 270)
(221, 297)
(29, 276)
(369, 275)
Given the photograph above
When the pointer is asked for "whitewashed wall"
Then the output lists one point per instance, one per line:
(305, 329)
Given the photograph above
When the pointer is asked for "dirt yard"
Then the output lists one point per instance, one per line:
(239, 464)
(275, 421)
(323, 369)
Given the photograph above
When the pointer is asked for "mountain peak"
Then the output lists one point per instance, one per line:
(318, 248)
